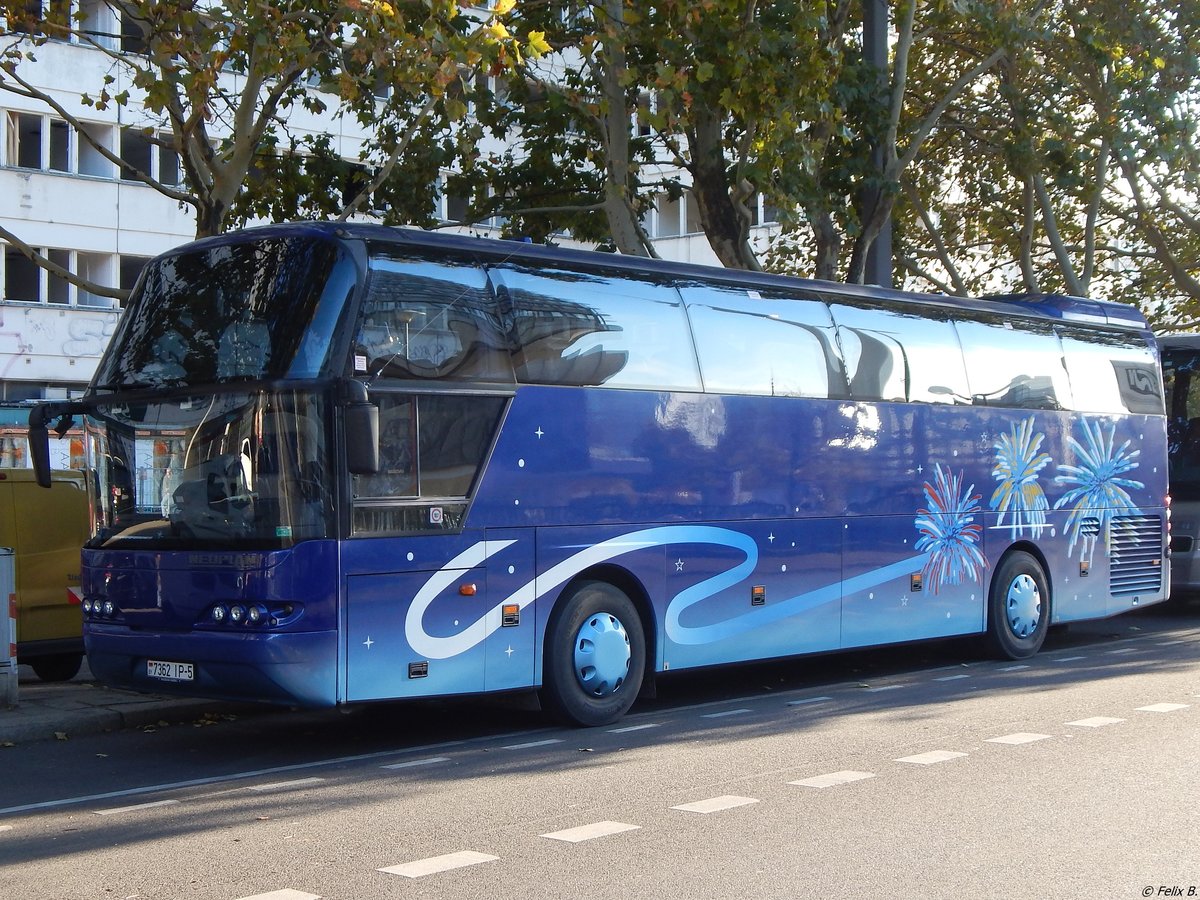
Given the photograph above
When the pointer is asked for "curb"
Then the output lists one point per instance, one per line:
(51, 724)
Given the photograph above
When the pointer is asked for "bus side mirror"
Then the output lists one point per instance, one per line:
(361, 418)
(39, 444)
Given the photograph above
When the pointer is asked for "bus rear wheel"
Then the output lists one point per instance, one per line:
(595, 655)
(1018, 607)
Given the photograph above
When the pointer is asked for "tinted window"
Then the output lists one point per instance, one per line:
(423, 319)
(1181, 379)
(1112, 373)
(432, 449)
(750, 344)
(584, 328)
(230, 312)
(896, 355)
(1015, 364)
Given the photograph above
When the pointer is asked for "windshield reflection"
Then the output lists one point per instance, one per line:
(228, 469)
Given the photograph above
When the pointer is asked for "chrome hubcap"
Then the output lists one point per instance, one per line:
(1024, 606)
(602, 654)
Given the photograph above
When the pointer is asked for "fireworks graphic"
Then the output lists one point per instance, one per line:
(1097, 492)
(948, 531)
(1019, 496)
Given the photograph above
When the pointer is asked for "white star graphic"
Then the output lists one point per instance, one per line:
(679, 565)
(368, 642)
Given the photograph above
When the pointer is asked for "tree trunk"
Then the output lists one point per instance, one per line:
(727, 230)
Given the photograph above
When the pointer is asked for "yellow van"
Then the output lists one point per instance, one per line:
(46, 530)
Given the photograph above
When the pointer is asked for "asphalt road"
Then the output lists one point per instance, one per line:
(921, 772)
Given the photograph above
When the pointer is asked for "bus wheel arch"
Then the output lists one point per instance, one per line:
(1019, 604)
(595, 650)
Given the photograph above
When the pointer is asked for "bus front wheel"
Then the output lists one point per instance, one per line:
(595, 655)
(1018, 607)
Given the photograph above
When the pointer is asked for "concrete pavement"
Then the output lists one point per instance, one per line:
(81, 706)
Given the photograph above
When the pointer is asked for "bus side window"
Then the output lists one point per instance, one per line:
(397, 476)
(1112, 373)
(899, 355)
(584, 329)
(1017, 364)
(751, 344)
(426, 319)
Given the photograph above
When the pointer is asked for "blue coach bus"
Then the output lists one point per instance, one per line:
(337, 463)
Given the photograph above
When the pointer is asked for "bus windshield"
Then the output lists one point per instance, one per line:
(231, 312)
(236, 469)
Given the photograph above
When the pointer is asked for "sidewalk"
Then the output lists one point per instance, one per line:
(82, 706)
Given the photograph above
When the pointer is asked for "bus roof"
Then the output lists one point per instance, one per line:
(1182, 341)
(1049, 306)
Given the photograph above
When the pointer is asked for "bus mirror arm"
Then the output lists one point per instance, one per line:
(39, 436)
(361, 418)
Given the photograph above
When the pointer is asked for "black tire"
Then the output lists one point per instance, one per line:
(1018, 607)
(595, 655)
(58, 667)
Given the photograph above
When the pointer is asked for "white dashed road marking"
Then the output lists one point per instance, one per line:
(932, 757)
(1016, 668)
(629, 728)
(135, 808)
(952, 677)
(434, 864)
(532, 744)
(716, 804)
(808, 700)
(727, 712)
(885, 687)
(413, 763)
(285, 785)
(1163, 707)
(1021, 737)
(1096, 722)
(1067, 659)
(285, 894)
(588, 832)
(832, 779)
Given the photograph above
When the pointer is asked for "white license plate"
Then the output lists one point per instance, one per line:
(169, 671)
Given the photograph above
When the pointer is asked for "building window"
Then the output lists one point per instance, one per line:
(131, 267)
(91, 160)
(24, 141)
(137, 153)
(58, 289)
(98, 269)
(133, 37)
(22, 279)
(26, 282)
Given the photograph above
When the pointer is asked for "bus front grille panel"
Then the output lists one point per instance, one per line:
(1136, 562)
